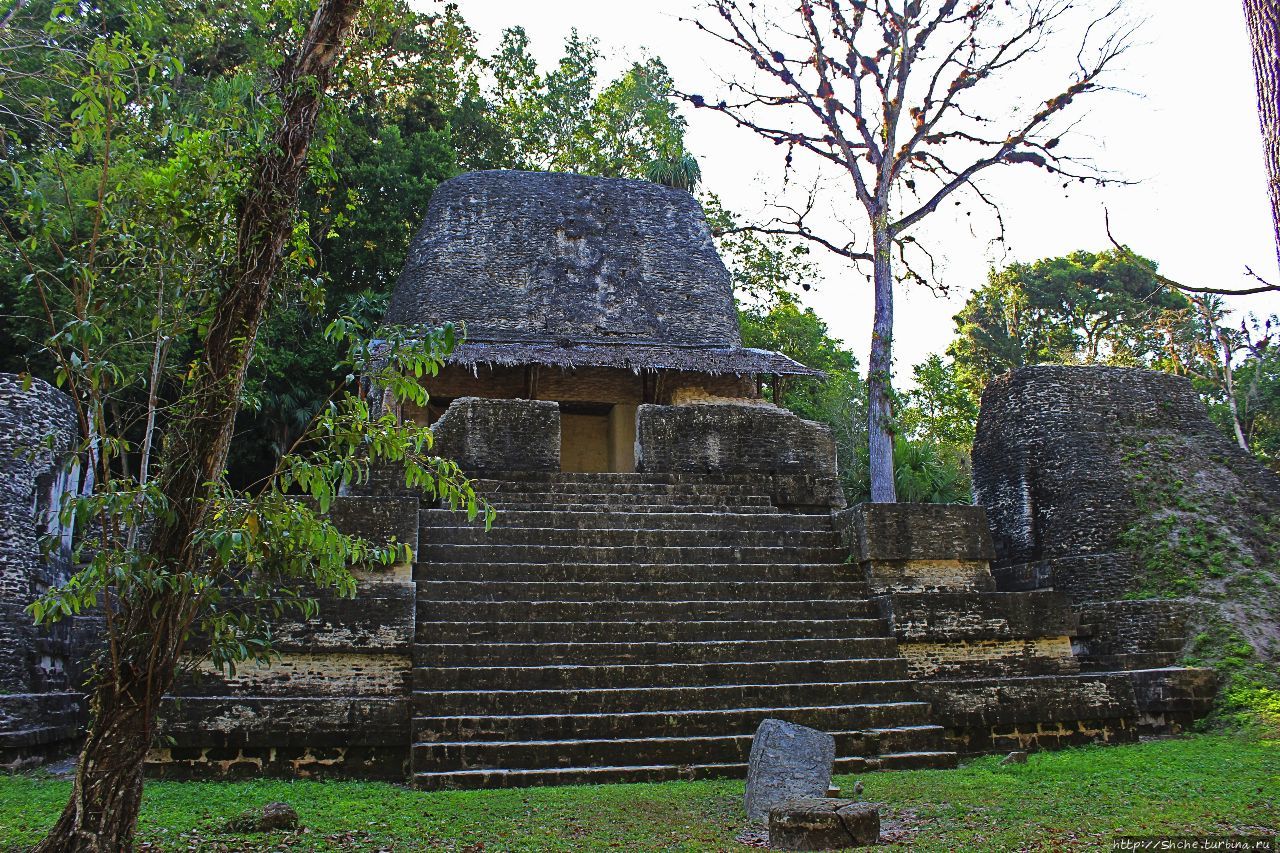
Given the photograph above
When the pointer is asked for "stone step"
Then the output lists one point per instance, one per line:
(610, 590)
(650, 611)
(585, 676)
(432, 702)
(620, 478)
(608, 653)
(620, 537)
(761, 508)
(665, 723)
(1130, 661)
(620, 518)
(440, 756)
(773, 555)
(630, 631)
(637, 572)
(487, 778)
(609, 487)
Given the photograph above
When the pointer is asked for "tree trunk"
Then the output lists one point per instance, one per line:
(1229, 381)
(103, 809)
(1263, 20)
(880, 374)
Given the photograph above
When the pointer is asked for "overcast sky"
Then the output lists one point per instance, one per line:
(1188, 135)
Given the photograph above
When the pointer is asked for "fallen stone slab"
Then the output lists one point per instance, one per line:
(823, 823)
(787, 761)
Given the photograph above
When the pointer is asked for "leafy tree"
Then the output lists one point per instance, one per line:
(153, 219)
(559, 122)
(939, 409)
(1084, 308)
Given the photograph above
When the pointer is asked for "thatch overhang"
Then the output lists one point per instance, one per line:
(742, 361)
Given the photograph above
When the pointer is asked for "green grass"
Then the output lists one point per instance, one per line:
(1070, 800)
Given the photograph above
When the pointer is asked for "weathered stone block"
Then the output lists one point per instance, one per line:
(1045, 712)
(787, 761)
(378, 519)
(1172, 699)
(484, 435)
(820, 823)
(962, 616)
(902, 532)
(729, 439)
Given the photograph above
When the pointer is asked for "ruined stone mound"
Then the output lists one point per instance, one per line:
(1113, 483)
(534, 256)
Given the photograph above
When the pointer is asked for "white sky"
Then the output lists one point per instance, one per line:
(1189, 135)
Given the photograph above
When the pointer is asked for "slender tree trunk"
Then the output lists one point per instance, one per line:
(1229, 381)
(103, 808)
(880, 373)
(1263, 20)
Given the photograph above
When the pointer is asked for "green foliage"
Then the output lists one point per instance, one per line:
(120, 223)
(680, 171)
(558, 121)
(931, 472)
(1077, 799)
(1084, 308)
(939, 409)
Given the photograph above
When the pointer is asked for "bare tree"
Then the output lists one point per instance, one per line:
(1263, 20)
(897, 97)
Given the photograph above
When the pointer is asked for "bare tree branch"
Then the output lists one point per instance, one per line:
(1266, 287)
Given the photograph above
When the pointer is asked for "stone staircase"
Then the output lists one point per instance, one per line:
(631, 627)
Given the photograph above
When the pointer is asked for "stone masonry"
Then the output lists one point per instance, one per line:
(39, 670)
(1053, 464)
(997, 667)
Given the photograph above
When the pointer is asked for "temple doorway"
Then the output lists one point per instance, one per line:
(597, 438)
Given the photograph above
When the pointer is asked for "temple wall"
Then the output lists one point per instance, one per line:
(40, 669)
(998, 668)
(337, 700)
(713, 439)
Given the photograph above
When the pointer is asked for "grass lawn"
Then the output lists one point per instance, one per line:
(1072, 800)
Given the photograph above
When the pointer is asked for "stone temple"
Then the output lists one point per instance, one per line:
(672, 563)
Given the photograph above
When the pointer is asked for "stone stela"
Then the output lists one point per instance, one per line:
(672, 563)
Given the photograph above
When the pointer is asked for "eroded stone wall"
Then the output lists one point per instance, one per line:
(484, 435)
(38, 429)
(997, 667)
(337, 700)
(719, 438)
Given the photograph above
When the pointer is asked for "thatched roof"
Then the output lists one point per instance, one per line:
(569, 271)
(635, 357)
(534, 256)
